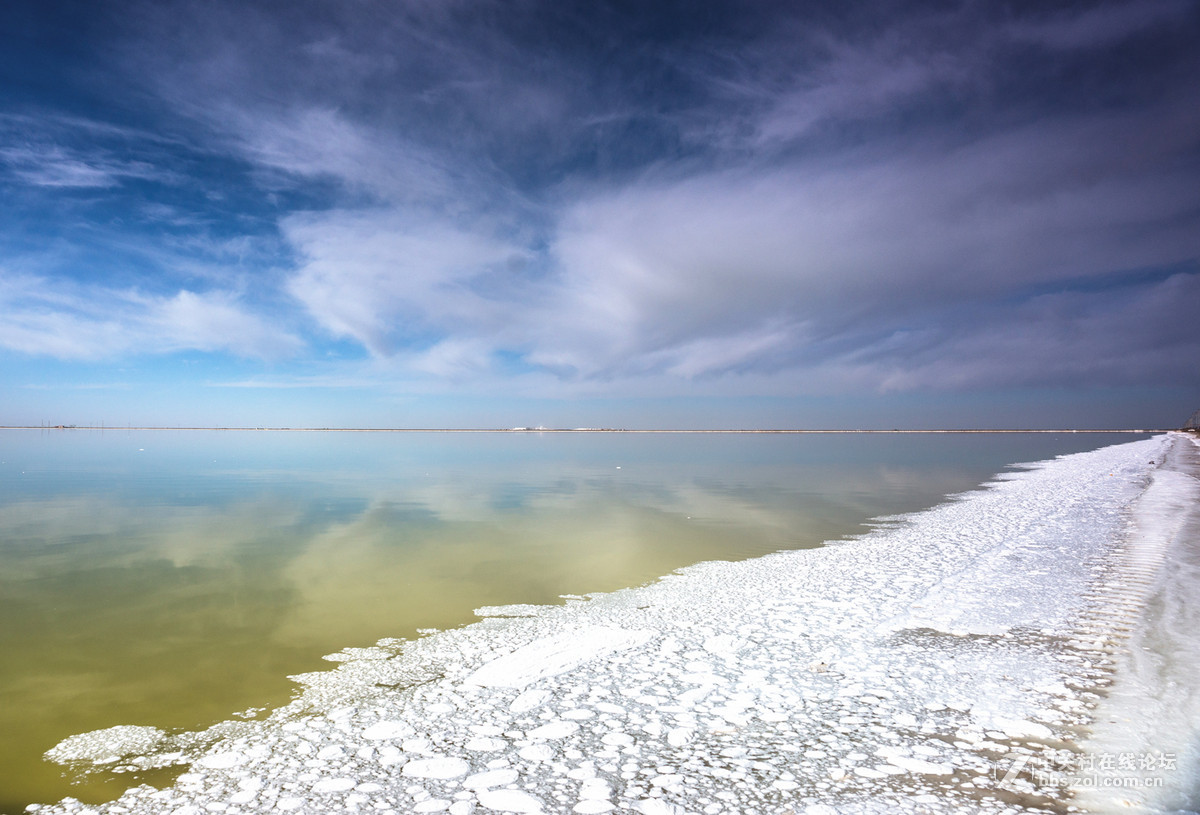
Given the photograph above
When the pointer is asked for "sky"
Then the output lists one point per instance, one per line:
(466, 213)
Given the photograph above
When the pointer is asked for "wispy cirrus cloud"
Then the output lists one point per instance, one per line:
(53, 166)
(65, 152)
(1127, 335)
(1100, 24)
(316, 142)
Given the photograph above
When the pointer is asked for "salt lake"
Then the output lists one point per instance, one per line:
(176, 579)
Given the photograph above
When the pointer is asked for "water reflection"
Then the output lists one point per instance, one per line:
(171, 579)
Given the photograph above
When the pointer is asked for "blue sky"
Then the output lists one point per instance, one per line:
(445, 213)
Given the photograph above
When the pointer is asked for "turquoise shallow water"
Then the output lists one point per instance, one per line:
(171, 578)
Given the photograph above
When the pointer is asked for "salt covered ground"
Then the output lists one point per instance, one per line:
(951, 661)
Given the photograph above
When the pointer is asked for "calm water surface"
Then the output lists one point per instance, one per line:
(174, 578)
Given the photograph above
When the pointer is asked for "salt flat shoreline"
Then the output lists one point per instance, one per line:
(930, 666)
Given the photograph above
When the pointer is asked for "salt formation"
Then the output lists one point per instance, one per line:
(921, 668)
(107, 746)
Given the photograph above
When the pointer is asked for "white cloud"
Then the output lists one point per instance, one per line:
(753, 272)
(215, 321)
(388, 278)
(315, 142)
(1099, 24)
(46, 317)
(454, 359)
(723, 354)
(854, 84)
(1127, 335)
(750, 242)
(55, 166)
(651, 269)
(52, 169)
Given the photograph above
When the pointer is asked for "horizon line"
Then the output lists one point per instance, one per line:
(795, 431)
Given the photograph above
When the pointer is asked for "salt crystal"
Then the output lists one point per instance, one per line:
(334, 785)
(222, 761)
(528, 700)
(386, 730)
(436, 768)
(490, 778)
(679, 736)
(553, 730)
(509, 801)
(657, 806)
(485, 745)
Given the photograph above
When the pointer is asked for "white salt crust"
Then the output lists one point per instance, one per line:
(901, 672)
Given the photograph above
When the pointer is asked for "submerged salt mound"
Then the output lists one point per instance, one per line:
(906, 671)
(513, 610)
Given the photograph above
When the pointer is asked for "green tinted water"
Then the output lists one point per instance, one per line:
(175, 578)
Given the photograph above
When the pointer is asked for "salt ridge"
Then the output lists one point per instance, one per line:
(904, 671)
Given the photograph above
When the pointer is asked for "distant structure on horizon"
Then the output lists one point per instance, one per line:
(1193, 423)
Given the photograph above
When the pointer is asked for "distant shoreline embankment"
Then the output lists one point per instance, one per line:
(731, 431)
